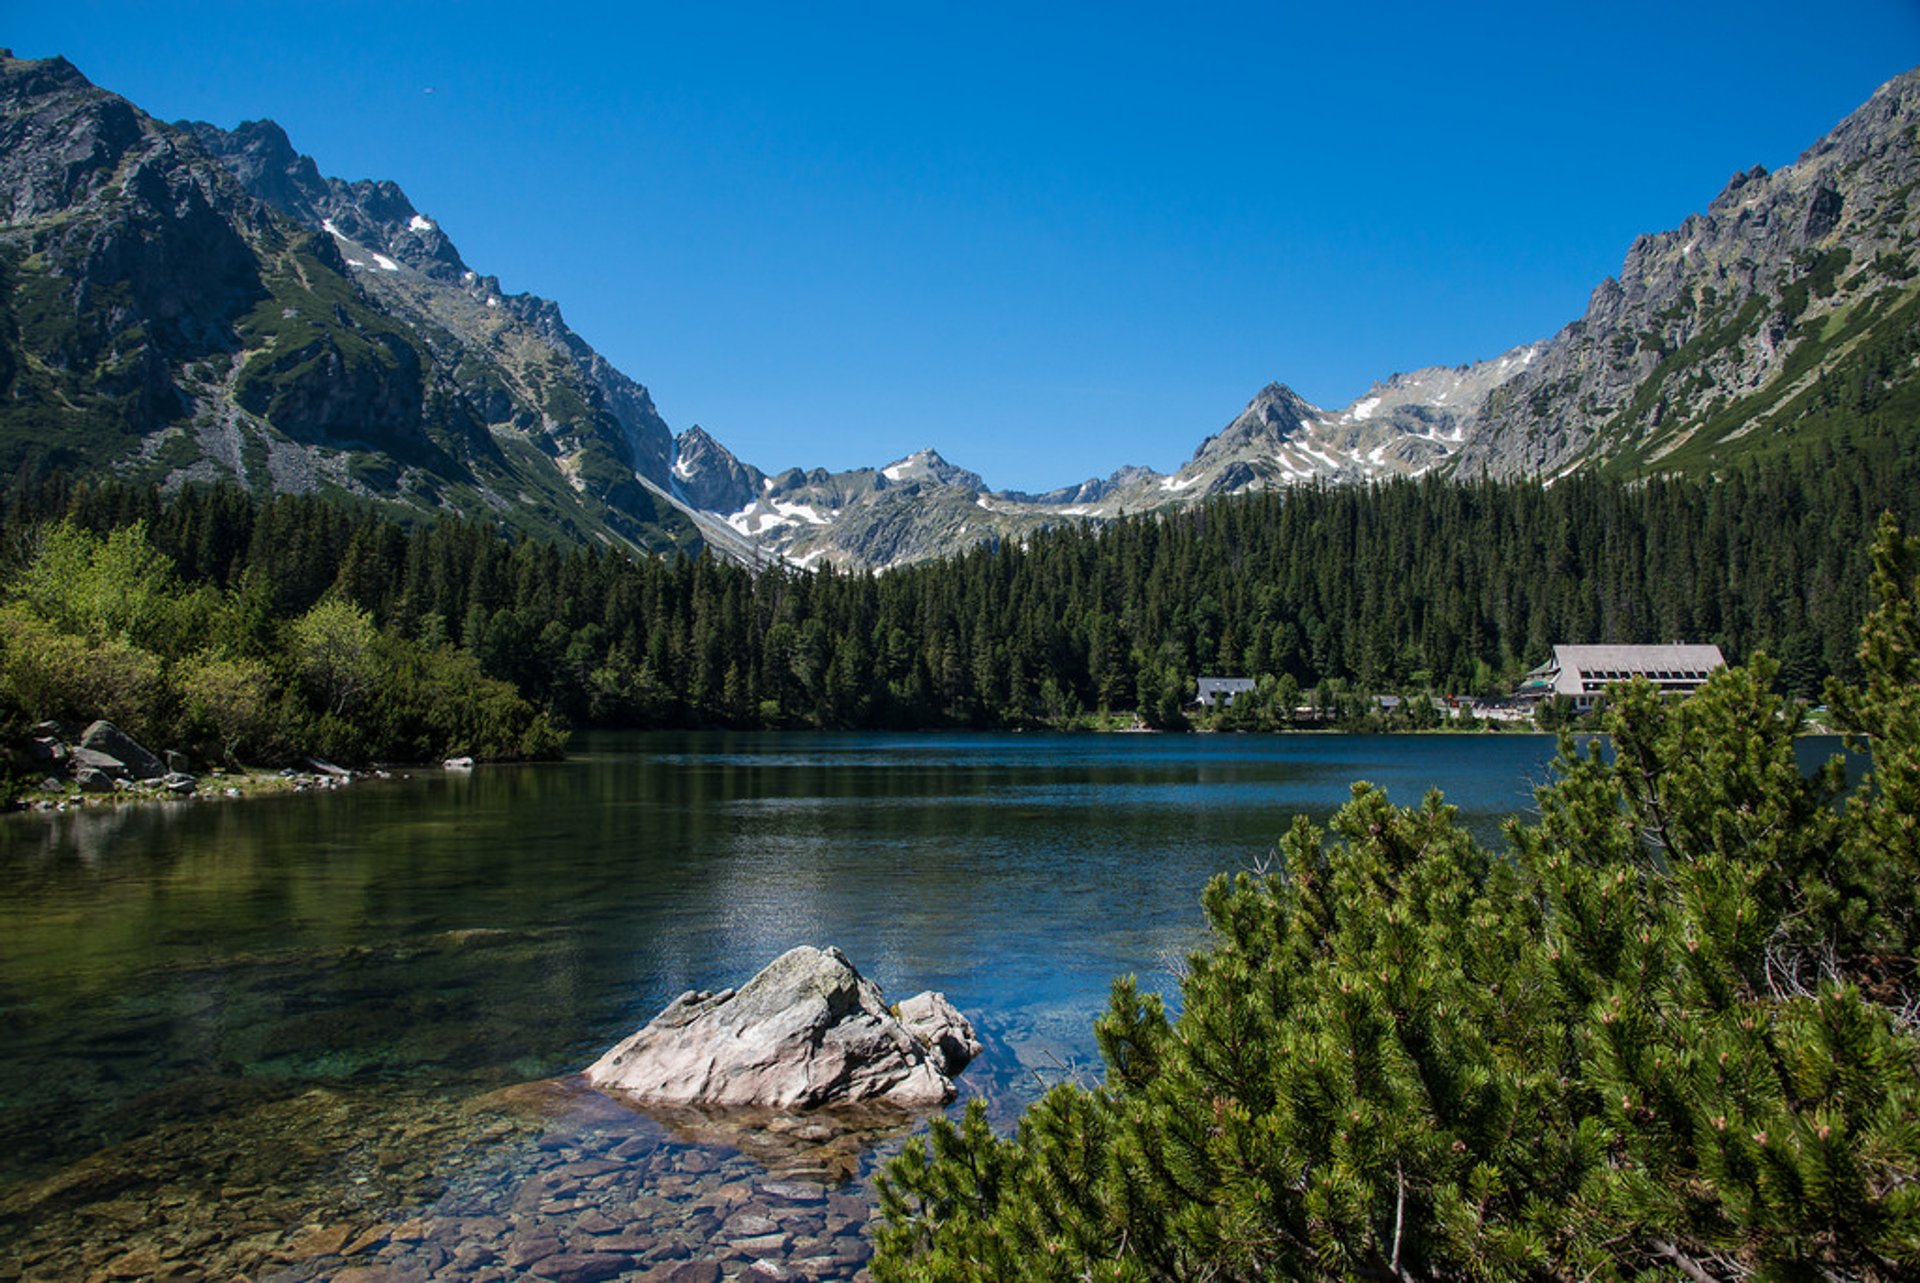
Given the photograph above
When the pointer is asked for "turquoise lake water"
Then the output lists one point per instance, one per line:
(178, 981)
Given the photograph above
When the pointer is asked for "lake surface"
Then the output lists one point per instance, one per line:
(302, 1033)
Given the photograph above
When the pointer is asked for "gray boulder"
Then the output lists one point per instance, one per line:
(92, 779)
(92, 759)
(105, 737)
(808, 1031)
(939, 1025)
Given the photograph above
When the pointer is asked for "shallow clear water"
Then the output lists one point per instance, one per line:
(176, 981)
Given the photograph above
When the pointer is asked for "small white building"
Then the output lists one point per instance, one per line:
(1220, 691)
(1583, 673)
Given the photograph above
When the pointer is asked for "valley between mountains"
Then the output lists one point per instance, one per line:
(188, 302)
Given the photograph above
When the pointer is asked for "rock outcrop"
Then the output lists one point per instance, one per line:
(105, 740)
(105, 759)
(808, 1031)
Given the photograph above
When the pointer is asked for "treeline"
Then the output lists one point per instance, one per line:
(1409, 586)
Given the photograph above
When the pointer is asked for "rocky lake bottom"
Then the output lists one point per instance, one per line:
(548, 1180)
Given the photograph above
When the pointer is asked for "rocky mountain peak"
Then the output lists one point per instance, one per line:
(926, 465)
(262, 157)
(62, 141)
(707, 475)
(38, 77)
(1711, 331)
(1275, 414)
(372, 213)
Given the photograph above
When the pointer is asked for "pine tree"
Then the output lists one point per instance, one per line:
(1669, 1033)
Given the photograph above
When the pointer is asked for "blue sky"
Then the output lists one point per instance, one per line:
(1047, 240)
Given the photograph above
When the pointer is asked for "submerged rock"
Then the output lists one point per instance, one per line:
(808, 1031)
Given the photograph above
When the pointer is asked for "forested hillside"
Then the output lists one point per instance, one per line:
(1403, 586)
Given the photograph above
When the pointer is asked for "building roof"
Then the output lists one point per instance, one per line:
(1638, 658)
(1222, 688)
(1585, 670)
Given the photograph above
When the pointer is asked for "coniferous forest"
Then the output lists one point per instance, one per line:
(1319, 592)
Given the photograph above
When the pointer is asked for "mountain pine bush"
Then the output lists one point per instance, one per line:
(1672, 1032)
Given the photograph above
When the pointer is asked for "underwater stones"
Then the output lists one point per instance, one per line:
(214, 1196)
(684, 1272)
(581, 1267)
(807, 1031)
(802, 1192)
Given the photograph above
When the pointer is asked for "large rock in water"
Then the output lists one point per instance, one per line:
(807, 1031)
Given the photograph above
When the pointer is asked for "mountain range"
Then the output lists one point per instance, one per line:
(183, 302)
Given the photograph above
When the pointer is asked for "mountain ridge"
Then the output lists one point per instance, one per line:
(162, 323)
(192, 302)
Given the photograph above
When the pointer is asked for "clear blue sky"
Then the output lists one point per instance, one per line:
(1046, 239)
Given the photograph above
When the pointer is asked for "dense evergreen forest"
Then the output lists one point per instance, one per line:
(1319, 592)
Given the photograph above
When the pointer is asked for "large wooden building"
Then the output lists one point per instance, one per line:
(1582, 673)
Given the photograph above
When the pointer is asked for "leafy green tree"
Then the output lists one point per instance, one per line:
(232, 708)
(47, 673)
(331, 647)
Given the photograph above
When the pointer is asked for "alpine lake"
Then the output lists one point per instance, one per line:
(338, 1035)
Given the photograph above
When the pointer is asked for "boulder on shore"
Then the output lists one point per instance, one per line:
(104, 737)
(808, 1031)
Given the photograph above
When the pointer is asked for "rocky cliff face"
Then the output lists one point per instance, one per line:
(182, 304)
(120, 258)
(1702, 345)
(595, 421)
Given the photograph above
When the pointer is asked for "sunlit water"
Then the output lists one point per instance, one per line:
(251, 1035)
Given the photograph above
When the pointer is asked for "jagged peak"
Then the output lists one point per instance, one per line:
(695, 436)
(49, 73)
(1277, 391)
(925, 464)
(1275, 406)
(271, 134)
